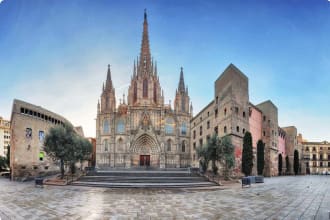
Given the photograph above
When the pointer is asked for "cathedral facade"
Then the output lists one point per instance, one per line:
(143, 131)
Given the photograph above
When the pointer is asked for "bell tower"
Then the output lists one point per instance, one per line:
(181, 102)
(145, 88)
(108, 98)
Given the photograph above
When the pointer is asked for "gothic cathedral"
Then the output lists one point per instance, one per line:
(143, 131)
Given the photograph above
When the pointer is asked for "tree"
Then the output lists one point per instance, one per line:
(8, 156)
(287, 164)
(280, 164)
(228, 157)
(260, 157)
(210, 152)
(247, 154)
(296, 162)
(3, 163)
(63, 144)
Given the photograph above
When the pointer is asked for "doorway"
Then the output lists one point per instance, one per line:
(145, 160)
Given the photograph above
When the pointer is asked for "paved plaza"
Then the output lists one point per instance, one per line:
(302, 197)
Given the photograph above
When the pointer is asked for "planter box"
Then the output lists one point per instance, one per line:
(253, 179)
(39, 181)
(246, 181)
(259, 179)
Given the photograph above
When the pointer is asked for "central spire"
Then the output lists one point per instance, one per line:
(145, 56)
(181, 86)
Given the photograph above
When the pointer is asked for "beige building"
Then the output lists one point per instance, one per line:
(143, 131)
(4, 136)
(30, 124)
(316, 157)
(227, 114)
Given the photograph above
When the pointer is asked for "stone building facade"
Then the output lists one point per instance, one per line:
(29, 125)
(231, 113)
(316, 157)
(142, 131)
(4, 136)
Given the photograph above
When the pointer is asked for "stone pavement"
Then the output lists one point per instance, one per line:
(301, 197)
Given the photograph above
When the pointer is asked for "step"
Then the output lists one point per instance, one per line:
(144, 185)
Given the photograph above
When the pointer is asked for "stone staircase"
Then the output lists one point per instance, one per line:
(141, 178)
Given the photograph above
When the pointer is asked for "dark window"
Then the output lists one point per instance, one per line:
(208, 114)
(216, 129)
(169, 143)
(183, 146)
(200, 130)
(155, 95)
(243, 114)
(264, 118)
(201, 142)
(328, 156)
(236, 110)
(314, 156)
(22, 110)
(145, 88)
(225, 111)
(194, 134)
(208, 124)
(225, 129)
(135, 92)
(237, 128)
(328, 164)
(321, 156)
(35, 114)
(216, 113)
(264, 133)
(194, 145)
(243, 130)
(314, 149)
(321, 164)
(30, 112)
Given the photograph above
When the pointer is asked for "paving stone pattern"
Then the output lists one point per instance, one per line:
(302, 197)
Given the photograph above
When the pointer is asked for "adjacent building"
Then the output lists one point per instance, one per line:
(316, 157)
(4, 136)
(29, 125)
(143, 130)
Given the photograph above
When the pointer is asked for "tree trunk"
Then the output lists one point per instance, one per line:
(62, 169)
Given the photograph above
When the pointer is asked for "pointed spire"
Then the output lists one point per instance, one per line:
(108, 83)
(181, 86)
(103, 87)
(145, 57)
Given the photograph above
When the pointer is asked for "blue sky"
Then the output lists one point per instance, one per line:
(55, 53)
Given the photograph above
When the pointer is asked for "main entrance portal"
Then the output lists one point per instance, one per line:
(145, 160)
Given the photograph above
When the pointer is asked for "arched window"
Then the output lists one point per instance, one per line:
(155, 92)
(225, 111)
(183, 104)
(135, 92)
(120, 145)
(183, 146)
(225, 129)
(169, 144)
(183, 129)
(106, 126)
(107, 102)
(169, 126)
(106, 145)
(120, 126)
(145, 88)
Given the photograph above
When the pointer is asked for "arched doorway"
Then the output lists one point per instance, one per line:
(145, 152)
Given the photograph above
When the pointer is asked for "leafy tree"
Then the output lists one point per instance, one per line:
(247, 154)
(228, 157)
(260, 157)
(214, 152)
(287, 164)
(280, 164)
(63, 144)
(204, 159)
(296, 162)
